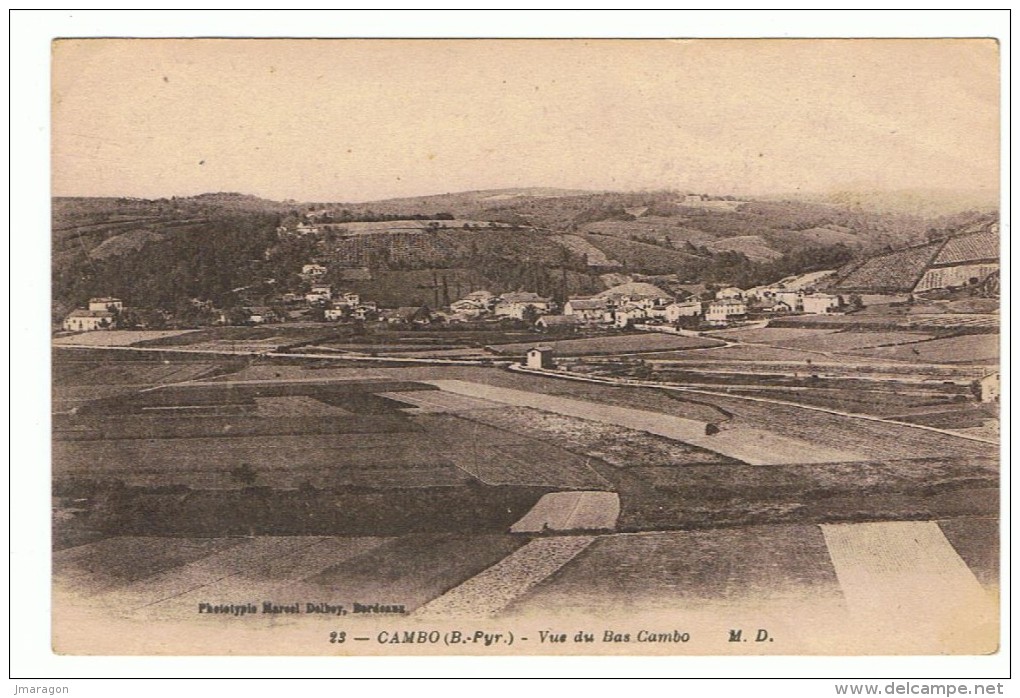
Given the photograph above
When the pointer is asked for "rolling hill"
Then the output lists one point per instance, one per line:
(165, 251)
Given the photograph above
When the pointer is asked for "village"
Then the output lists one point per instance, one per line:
(633, 304)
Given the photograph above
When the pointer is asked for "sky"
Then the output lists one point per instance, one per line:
(361, 120)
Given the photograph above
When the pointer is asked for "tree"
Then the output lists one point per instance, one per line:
(446, 293)
(530, 315)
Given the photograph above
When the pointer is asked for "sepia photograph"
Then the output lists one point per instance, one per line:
(525, 347)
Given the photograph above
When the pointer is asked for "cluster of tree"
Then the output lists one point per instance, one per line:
(208, 261)
(596, 214)
(729, 267)
(521, 274)
(570, 212)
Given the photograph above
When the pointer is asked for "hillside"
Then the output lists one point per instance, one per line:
(163, 252)
(640, 256)
(754, 247)
(973, 252)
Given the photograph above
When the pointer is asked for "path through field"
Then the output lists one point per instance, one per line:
(753, 446)
(571, 511)
(494, 589)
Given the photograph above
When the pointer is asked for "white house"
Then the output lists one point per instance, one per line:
(720, 312)
(793, 299)
(366, 310)
(819, 303)
(629, 314)
(347, 298)
(111, 304)
(81, 320)
(586, 309)
(540, 357)
(514, 305)
(337, 313)
(319, 293)
(260, 314)
(675, 311)
(549, 322)
(313, 270)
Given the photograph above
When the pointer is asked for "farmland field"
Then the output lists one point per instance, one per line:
(120, 338)
(962, 416)
(881, 400)
(625, 344)
(280, 461)
(300, 374)
(274, 577)
(118, 561)
(749, 354)
(502, 457)
(817, 478)
(360, 398)
(134, 373)
(618, 446)
(448, 489)
(296, 406)
(221, 421)
(977, 542)
(967, 348)
(871, 439)
(842, 341)
(411, 570)
(771, 335)
(881, 317)
(685, 570)
(269, 335)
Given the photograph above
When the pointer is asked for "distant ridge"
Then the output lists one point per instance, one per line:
(925, 203)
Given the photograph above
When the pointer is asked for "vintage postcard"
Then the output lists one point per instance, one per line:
(531, 347)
